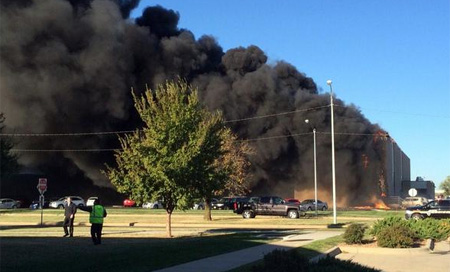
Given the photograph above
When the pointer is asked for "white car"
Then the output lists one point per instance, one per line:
(59, 204)
(412, 201)
(8, 203)
(91, 200)
(201, 204)
(152, 205)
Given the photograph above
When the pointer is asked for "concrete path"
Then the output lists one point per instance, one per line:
(228, 261)
(400, 259)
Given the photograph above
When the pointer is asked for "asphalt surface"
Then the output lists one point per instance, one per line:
(385, 259)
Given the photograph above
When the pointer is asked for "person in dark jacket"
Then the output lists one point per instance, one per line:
(69, 216)
(97, 213)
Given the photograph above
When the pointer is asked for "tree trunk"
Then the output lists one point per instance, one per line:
(169, 223)
(207, 214)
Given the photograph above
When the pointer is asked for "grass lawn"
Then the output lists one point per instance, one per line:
(134, 239)
(115, 254)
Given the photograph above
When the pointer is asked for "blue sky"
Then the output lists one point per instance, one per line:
(389, 58)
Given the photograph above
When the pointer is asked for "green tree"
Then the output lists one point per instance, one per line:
(8, 160)
(175, 154)
(234, 162)
(445, 185)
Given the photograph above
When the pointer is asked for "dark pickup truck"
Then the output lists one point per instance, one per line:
(267, 205)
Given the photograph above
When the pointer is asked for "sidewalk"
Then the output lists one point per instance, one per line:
(400, 259)
(228, 261)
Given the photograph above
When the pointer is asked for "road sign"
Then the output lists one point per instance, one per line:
(42, 185)
(412, 192)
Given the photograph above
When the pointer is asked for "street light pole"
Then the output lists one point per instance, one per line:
(315, 170)
(315, 166)
(329, 82)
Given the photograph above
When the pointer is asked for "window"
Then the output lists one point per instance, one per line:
(277, 200)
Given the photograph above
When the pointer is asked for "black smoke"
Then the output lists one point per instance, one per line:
(68, 66)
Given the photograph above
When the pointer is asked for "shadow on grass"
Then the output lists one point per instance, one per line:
(336, 226)
(36, 226)
(114, 254)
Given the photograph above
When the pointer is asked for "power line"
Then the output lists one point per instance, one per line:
(64, 134)
(131, 131)
(274, 137)
(399, 112)
(227, 121)
(65, 150)
(243, 140)
(275, 114)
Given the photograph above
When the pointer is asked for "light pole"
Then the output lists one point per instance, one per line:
(333, 167)
(315, 166)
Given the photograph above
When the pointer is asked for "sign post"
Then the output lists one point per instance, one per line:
(42, 188)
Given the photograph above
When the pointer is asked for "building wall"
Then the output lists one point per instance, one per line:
(398, 169)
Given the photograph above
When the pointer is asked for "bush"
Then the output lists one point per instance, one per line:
(386, 223)
(354, 234)
(396, 236)
(430, 228)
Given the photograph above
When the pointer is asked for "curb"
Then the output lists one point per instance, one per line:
(333, 252)
(442, 247)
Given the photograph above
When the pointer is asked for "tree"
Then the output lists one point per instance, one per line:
(175, 154)
(445, 185)
(8, 161)
(235, 158)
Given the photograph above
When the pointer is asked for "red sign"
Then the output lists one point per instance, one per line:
(42, 185)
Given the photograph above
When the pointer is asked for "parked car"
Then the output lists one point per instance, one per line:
(90, 201)
(310, 205)
(433, 209)
(153, 205)
(292, 200)
(129, 203)
(219, 205)
(35, 204)
(8, 203)
(21, 203)
(59, 204)
(200, 205)
(229, 203)
(412, 201)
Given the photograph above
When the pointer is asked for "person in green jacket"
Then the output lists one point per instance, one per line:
(97, 213)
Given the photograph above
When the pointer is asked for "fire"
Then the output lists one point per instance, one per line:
(379, 204)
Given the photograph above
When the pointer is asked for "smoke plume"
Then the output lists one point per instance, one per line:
(67, 67)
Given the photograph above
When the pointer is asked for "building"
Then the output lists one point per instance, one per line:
(397, 169)
(425, 188)
(398, 175)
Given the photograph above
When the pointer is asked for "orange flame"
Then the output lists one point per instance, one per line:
(379, 204)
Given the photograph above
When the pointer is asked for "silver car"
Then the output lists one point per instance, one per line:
(310, 204)
(201, 204)
(59, 204)
(8, 203)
